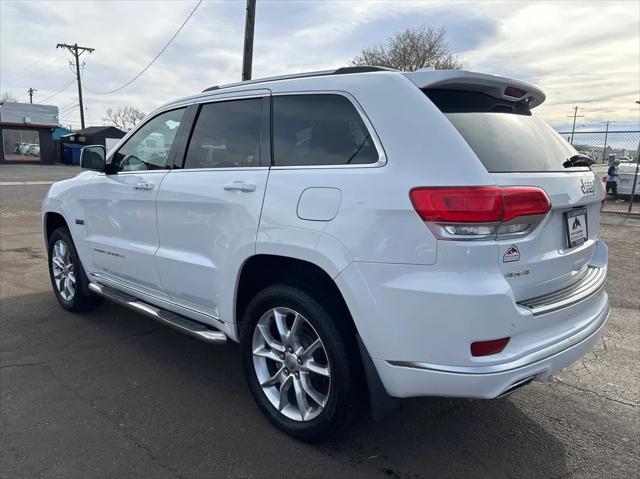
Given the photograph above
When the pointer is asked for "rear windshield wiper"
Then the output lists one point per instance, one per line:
(578, 160)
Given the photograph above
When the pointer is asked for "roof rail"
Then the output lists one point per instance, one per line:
(339, 71)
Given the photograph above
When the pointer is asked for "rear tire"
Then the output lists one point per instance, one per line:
(68, 279)
(308, 396)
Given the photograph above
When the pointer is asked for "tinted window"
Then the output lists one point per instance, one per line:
(506, 142)
(226, 135)
(149, 147)
(319, 130)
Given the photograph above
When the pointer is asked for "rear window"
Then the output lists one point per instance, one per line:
(506, 142)
(504, 135)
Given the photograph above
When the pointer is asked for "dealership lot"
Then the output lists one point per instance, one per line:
(112, 393)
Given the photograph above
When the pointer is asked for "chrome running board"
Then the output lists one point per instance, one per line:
(182, 324)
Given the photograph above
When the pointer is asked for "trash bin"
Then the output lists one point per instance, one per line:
(71, 153)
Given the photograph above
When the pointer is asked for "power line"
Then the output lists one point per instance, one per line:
(20, 74)
(68, 109)
(154, 58)
(67, 115)
(59, 91)
(67, 105)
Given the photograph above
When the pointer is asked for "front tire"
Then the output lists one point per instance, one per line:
(299, 363)
(68, 278)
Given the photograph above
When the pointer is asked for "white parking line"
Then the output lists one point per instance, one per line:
(25, 183)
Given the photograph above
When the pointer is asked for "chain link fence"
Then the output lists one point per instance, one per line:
(605, 146)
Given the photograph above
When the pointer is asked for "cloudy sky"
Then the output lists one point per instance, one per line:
(579, 52)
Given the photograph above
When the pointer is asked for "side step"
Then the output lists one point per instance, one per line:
(182, 324)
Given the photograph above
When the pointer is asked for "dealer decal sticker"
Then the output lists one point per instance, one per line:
(512, 254)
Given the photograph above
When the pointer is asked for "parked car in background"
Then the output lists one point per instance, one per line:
(364, 234)
(24, 148)
(33, 150)
(626, 175)
(17, 148)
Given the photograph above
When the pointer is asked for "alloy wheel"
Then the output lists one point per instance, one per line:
(291, 364)
(63, 270)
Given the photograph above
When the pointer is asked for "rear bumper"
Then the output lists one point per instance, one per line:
(406, 379)
(417, 323)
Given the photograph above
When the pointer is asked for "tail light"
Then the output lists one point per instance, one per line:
(480, 212)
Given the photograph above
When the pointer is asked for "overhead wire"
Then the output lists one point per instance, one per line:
(22, 72)
(154, 58)
(58, 91)
(67, 85)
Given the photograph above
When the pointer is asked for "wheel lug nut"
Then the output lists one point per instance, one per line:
(282, 356)
(290, 350)
(286, 371)
(297, 375)
(299, 361)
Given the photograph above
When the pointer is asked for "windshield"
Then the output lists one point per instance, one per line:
(506, 142)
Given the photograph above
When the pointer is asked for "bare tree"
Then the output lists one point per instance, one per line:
(410, 50)
(6, 96)
(124, 118)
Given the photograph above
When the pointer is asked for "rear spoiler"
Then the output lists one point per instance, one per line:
(495, 86)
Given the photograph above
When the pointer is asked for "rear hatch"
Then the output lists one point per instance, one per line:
(520, 150)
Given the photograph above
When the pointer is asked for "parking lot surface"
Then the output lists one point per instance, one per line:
(114, 394)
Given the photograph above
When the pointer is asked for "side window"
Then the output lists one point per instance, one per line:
(149, 147)
(319, 129)
(226, 135)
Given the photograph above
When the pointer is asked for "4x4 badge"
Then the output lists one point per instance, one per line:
(512, 254)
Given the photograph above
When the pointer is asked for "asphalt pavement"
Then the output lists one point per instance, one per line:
(114, 394)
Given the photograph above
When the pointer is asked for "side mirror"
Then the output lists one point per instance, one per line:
(93, 158)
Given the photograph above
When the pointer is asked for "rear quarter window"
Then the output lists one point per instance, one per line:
(319, 130)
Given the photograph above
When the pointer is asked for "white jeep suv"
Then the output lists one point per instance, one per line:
(364, 234)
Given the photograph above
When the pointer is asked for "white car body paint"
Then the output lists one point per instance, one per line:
(417, 302)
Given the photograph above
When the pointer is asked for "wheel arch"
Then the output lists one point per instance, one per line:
(52, 220)
(261, 270)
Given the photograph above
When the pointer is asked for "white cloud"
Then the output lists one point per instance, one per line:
(580, 53)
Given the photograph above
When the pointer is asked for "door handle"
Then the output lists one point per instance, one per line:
(240, 186)
(143, 185)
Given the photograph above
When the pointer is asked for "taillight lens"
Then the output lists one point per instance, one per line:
(524, 201)
(479, 212)
(487, 348)
(458, 205)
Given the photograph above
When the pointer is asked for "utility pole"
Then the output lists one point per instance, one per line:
(31, 91)
(76, 51)
(606, 134)
(575, 115)
(247, 56)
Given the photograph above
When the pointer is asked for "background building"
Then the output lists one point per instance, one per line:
(26, 131)
(72, 143)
